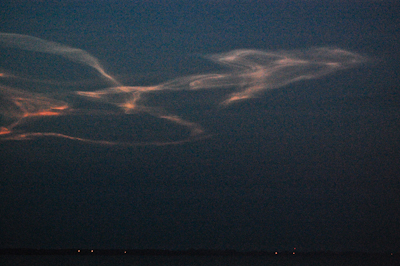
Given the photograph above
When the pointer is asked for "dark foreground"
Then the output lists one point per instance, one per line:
(33, 257)
(188, 252)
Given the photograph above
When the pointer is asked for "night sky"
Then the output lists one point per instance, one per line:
(247, 125)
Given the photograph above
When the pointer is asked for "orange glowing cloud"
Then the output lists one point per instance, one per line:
(248, 74)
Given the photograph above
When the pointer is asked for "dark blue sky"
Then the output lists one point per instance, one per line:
(312, 164)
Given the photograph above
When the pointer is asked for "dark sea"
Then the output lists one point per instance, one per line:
(29, 260)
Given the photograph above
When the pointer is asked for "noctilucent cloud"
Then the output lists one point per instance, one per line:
(248, 73)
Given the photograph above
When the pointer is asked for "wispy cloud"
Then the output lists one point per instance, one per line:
(248, 74)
